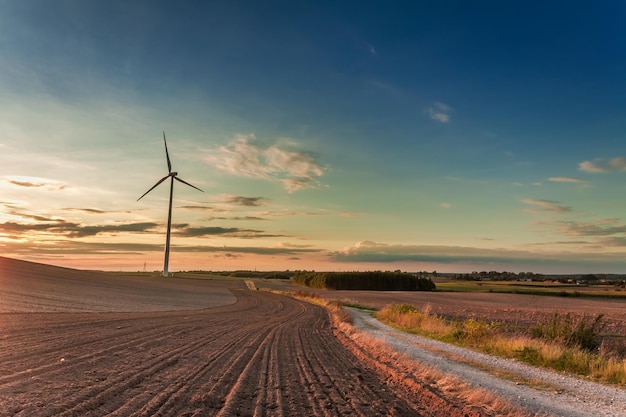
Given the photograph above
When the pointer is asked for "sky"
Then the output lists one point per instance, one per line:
(451, 136)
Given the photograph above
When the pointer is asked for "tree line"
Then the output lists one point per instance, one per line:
(371, 280)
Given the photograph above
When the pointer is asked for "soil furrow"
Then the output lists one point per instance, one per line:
(126, 380)
(203, 364)
(274, 404)
(241, 391)
(266, 355)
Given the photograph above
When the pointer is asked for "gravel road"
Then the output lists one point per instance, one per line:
(566, 396)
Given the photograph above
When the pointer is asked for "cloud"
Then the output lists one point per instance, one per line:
(567, 179)
(205, 208)
(84, 231)
(25, 184)
(440, 112)
(601, 165)
(76, 247)
(35, 182)
(546, 205)
(235, 232)
(288, 213)
(234, 218)
(293, 245)
(296, 170)
(21, 228)
(35, 217)
(369, 251)
(210, 231)
(74, 230)
(445, 205)
(295, 184)
(603, 227)
(614, 242)
(246, 201)
(87, 210)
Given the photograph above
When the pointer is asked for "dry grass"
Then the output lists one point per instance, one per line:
(424, 382)
(559, 354)
(410, 319)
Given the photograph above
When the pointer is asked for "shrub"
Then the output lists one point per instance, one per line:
(475, 331)
(570, 332)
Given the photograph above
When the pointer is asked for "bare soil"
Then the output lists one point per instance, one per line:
(79, 343)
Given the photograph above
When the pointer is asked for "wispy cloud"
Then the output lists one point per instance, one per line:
(602, 165)
(66, 247)
(602, 227)
(246, 201)
(546, 205)
(369, 251)
(215, 231)
(371, 49)
(201, 208)
(235, 232)
(35, 182)
(73, 230)
(440, 112)
(295, 169)
(568, 179)
(445, 205)
(234, 218)
(87, 210)
(288, 213)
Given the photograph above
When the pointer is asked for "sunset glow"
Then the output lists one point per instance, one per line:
(326, 135)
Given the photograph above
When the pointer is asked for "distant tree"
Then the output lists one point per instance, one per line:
(589, 277)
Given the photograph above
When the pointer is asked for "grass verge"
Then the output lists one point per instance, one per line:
(563, 343)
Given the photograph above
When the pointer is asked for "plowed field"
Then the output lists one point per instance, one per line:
(263, 355)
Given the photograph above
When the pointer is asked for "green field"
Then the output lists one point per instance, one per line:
(534, 288)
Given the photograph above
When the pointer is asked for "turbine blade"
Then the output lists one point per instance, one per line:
(167, 155)
(154, 186)
(185, 182)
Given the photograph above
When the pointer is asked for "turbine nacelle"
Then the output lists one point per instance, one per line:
(173, 174)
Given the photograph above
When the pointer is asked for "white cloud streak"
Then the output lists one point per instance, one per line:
(546, 205)
(567, 179)
(440, 112)
(599, 166)
(296, 170)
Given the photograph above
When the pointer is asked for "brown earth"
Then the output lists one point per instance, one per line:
(256, 354)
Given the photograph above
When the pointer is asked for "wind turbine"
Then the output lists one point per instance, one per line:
(173, 175)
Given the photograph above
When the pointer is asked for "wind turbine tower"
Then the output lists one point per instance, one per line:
(172, 175)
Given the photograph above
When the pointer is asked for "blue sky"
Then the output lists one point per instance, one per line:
(326, 135)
